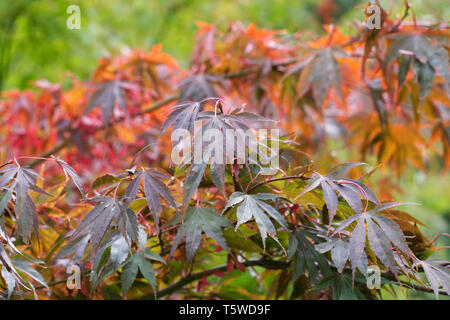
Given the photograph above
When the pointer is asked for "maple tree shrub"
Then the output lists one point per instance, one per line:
(104, 195)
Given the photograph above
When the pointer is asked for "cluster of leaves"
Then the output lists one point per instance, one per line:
(141, 233)
(385, 91)
(136, 211)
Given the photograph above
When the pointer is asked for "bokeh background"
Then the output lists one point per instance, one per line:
(36, 44)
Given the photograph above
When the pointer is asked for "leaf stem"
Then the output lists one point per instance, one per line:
(268, 264)
(302, 177)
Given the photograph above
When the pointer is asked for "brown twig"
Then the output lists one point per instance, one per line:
(302, 177)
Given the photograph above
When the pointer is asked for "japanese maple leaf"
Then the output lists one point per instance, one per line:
(333, 181)
(319, 71)
(382, 233)
(425, 56)
(197, 220)
(109, 95)
(197, 87)
(183, 116)
(253, 205)
(154, 190)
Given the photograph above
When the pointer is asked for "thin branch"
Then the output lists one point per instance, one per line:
(277, 179)
(160, 103)
(265, 263)
(57, 148)
(243, 73)
(419, 287)
(268, 264)
(55, 283)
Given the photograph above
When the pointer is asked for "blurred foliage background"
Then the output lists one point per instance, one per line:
(36, 44)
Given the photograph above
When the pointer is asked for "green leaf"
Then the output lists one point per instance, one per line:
(197, 220)
(101, 261)
(193, 234)
(153, 256)
(132, 226)
(237, 241)
(325, 246)
(437, 276)
(104, 180)
(119, 251)
(306, 259)
(339, 252)
(342, 287)
(253, 206)
(129, 273)
(146, 268)
(139, 261)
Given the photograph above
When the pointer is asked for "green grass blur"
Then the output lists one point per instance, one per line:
(35, 42)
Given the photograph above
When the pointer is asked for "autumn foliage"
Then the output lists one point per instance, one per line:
(87, 177)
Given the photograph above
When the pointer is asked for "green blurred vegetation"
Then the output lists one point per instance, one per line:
(35, 42)
(429, 190)
(432, 194)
